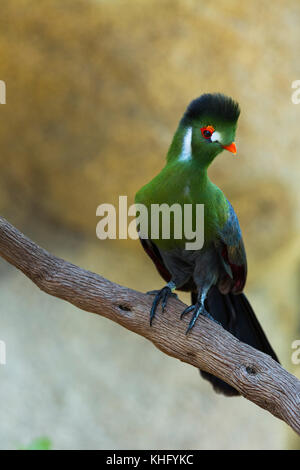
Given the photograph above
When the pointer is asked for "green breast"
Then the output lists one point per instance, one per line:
(184, 183)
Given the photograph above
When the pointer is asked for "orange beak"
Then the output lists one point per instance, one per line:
(231, 147)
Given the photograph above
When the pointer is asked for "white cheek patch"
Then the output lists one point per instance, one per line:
(186, 151)
(216, 136)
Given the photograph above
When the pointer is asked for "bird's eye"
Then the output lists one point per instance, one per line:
(207, 131)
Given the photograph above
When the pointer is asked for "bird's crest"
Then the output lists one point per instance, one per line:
(214, 105)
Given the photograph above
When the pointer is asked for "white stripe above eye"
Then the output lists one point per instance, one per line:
(186, 151)
(216, 136)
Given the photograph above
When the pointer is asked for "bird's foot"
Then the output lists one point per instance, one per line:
(197, 309)
(162, 296)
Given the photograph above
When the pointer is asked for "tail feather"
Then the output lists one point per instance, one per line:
(236, 315)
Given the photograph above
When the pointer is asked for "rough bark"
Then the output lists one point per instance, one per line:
(209, 347)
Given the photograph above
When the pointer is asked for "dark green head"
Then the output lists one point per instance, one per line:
(207, 127)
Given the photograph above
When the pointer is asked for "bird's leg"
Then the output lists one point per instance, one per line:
(197, 309)
(162, 296)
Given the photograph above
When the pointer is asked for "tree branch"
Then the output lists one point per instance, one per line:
(209, 347)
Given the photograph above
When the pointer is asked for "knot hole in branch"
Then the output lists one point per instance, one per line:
(251, 370)
(125, 308)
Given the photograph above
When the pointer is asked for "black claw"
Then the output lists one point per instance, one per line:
(198, 309)
(187, 310)
(154, 307)
(164, 302)
(160, 295)
(191, 324)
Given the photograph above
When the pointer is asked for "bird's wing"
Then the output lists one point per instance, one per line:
(153, 253)
(232, 251)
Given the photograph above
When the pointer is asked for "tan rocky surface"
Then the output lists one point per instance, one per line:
(94, 93)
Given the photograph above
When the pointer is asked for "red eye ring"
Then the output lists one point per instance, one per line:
(207, 131)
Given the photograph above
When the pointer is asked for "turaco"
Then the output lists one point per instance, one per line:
(215, 274)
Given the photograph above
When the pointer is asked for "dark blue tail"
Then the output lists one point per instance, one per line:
(236, 315)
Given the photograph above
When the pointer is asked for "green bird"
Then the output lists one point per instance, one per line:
(215, 274)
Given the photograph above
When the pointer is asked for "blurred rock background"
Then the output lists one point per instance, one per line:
(95, 90)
